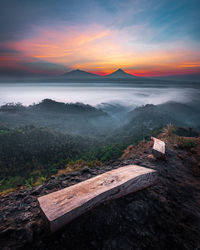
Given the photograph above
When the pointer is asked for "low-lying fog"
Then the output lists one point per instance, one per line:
(129, 96)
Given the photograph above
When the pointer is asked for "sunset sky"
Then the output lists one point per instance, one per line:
(144, 37)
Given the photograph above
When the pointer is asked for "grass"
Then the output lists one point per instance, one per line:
(4, 192)
(186, 143)
(78, 165)
(29, 182)
(39, 181)
(169, 130)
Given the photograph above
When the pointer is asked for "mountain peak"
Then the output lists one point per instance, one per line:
(120, 73)
(79, 74)
(120, 70)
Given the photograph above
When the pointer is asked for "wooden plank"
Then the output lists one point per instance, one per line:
(62, 206)
(158, 147)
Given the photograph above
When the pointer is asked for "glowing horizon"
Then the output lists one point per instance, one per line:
(124, 36)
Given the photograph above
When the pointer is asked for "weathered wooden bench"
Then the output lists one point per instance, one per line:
(60, 207)
(158, 147)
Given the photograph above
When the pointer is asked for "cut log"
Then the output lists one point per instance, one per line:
(62, 206)
(158, 148)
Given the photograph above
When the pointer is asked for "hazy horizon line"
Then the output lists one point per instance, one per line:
(27, 74)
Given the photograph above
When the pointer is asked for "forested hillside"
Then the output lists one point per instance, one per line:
(76, 118)
(35, 152)
(39, 140)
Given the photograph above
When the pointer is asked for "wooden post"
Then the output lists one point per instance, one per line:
(60, 207)
(158, 148)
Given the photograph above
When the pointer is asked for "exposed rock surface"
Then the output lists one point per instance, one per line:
(166, 216)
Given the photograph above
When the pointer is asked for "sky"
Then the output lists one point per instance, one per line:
(143, 37)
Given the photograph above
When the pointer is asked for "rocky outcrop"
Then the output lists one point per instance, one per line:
(165, 216)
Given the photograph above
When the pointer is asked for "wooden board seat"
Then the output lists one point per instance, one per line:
(60, 207)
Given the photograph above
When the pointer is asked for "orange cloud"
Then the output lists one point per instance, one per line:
(102, 50)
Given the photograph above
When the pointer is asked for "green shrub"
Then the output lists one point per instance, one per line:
(11, 182)
(39, 181)
(29, 182)
(186, 143)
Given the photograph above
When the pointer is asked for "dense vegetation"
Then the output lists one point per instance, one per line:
(29, 154)
(74, 118)
(30, 151)
(41, 139)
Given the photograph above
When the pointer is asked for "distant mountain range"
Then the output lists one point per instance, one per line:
(119, 75)
(80, 74)
(122, 75)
